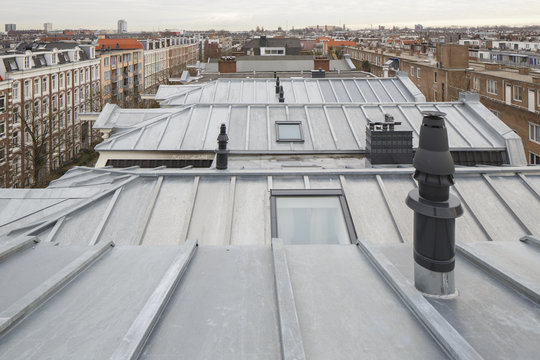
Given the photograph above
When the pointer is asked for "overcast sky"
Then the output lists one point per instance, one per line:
(247, 14)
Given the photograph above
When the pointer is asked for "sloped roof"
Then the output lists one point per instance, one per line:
(119, 44)
(241, 294)
(250, 91)
(326, 127)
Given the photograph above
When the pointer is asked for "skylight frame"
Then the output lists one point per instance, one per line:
(275, 193)
(298, 123)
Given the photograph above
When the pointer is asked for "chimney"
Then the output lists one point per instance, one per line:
(227, 64)
(385, 145)
(281, 95)
(222, 151)
(277, 85)
(435, 209)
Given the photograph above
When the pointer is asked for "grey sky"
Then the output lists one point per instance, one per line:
(247, 14)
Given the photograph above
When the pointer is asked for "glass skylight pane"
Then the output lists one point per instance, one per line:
(289, 132)
(311, 220)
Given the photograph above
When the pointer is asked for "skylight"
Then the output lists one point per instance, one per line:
(311, 217)
(289, 131)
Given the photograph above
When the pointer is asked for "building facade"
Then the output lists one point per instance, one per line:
(122, 70)
(512, 94)
(166, 57)
(46, 90)
(122, 26)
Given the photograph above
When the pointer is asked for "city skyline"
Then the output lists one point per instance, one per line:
(143, 15)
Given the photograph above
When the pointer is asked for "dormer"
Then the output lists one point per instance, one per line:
(27, 60)
(52, 57)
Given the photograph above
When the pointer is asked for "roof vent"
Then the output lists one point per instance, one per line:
(281, 95)
(277, 85)
(117, 46)
(385, 145)
(222, 151)
(435, 210)
(318, 74)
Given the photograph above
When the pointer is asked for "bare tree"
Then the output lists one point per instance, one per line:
(40, 123)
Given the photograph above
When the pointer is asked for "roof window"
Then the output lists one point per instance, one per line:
(289, 131)
(314, 216)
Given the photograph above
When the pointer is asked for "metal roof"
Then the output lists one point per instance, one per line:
(326, 127)
(296, 90)
(67, 293)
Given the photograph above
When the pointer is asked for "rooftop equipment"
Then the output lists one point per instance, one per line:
(435, 209)
(222, 152)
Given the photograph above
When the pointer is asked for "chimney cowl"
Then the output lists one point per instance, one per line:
(222, 152)
(435, 210)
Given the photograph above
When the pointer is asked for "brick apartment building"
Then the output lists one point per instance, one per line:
(44, 88)
(122, 70)
(4, 131)
(166, 57)
(512, 94)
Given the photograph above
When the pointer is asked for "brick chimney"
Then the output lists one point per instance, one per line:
(227, 64)
(321, 62)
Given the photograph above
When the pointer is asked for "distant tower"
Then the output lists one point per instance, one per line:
(47, 27)
(122, 26)
(10, 27)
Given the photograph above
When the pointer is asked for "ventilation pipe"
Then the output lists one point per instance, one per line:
(222, 151)
(281, 95)
(435, 209)
(277, 85)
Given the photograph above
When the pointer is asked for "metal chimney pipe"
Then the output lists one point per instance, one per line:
(281, 95)
(222, 151)
(435, 209)
(277, 85)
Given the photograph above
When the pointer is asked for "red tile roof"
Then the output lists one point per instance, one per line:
(119, 44)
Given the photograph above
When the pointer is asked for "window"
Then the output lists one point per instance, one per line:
(27, 89)
(76, 77)
(36, 87)
(518, 93)
(311, 217)
(76, 96)
(491, 86)
(16, 92)
(106, 62)
(28, 112)
(534, 132)
(534, 159)
(418, 73)
(54, 82)
(68, 98)
(68, 79)
(2, 103)
(15, 139)
(2, 154)
(2, 128)
(45, 106)
(435, 76)
(61, 101)
(538, 98)
(412, 70)
(27, 62)
(37, 108)
(45, 84)
(15, 115)
(54, 103)
(289, 131)
(61, 81)
(476, 83)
